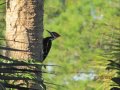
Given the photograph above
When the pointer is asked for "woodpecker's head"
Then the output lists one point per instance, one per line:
(54, 35)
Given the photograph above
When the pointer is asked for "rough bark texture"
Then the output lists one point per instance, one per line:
(24, 28)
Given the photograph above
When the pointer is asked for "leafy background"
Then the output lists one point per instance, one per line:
(85, 26)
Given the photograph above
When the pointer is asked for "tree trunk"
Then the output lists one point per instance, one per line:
(24, 29)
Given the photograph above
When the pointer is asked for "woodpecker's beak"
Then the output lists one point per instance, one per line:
(51, 33)
(48, 31)
(54, 34)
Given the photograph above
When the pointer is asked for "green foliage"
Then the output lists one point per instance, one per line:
(2, 20)
(114, 61)
(83, 26)
(15, 74)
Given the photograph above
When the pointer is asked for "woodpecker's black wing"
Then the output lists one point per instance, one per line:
(46, 46)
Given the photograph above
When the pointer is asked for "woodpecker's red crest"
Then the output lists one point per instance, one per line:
(54, 35)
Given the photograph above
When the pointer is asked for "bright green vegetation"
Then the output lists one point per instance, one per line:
(2, 18)
(84, 26)
(2, 21)
(114, 59)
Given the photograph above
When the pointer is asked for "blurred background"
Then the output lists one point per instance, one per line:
(84, 26)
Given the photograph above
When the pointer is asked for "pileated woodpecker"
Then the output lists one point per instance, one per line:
(47, 43)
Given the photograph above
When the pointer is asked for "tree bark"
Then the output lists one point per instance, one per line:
(24, 29)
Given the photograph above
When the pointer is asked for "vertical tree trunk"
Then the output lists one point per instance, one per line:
(24, 28)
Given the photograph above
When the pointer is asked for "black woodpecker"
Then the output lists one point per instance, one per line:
(47, 43)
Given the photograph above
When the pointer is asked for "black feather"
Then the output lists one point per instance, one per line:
(47, 43)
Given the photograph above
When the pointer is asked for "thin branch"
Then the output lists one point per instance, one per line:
(12, 49)
(15, 70)
(2, 77)
(24, 64)
(54, 84)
